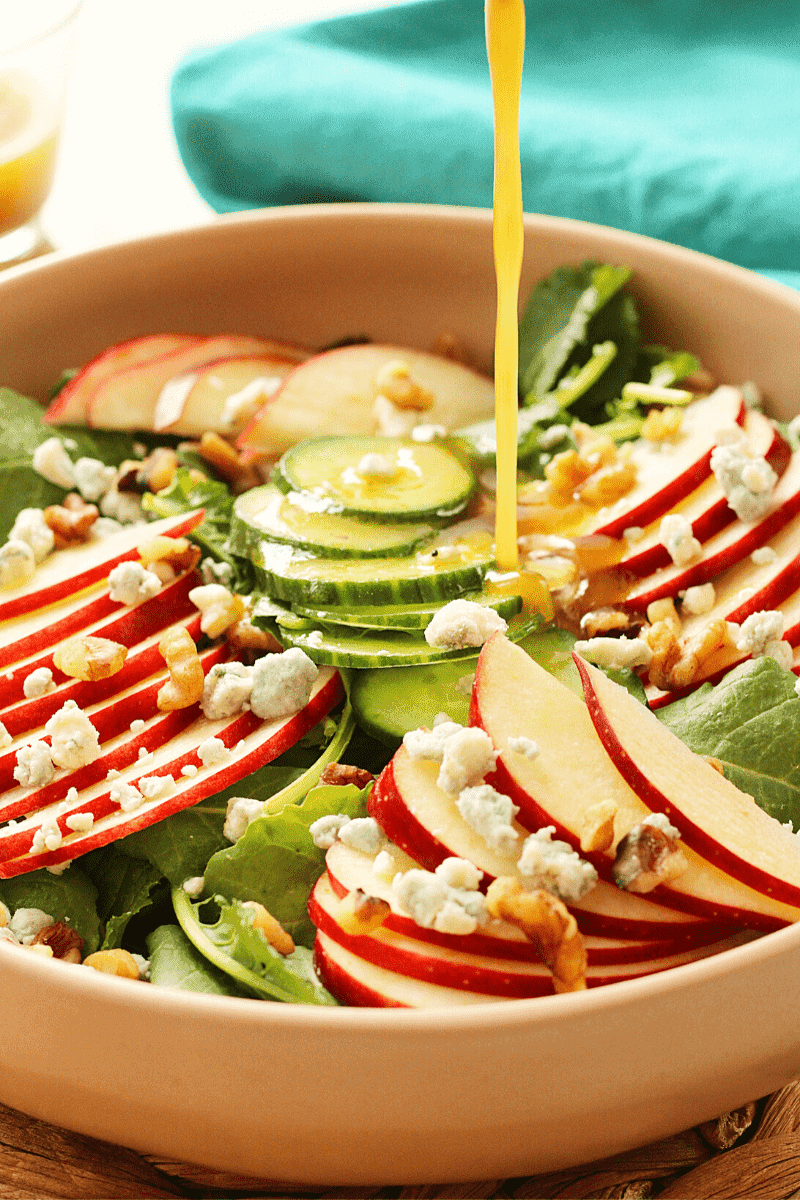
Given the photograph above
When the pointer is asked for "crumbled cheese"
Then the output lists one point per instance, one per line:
(314, 639)
(125, 507)
(48, 836)
(144, 755)
(699, 600)
(212, 571)
(430, 743)
(377, 465)
(524, 745)
(34, 767)
(212, 752)
(433, 903)
(758, 630)
(27, 922)
(661, 821)
(31, 527)
(463, 623)
(226, 690)
(194, 886)
(143, 965)
(468, 756)
(17, 564)
(428, 433)
(364, 834)
(282, 684)
(241, 812)
(130, 583)
(549, 438)
(781, 651)
(81, 822)
(747, 482)
(615, 653)
(675, 535)
(5, 737)
(93, 478)
(385, 866)
(393, 421)
(157, 787)
(464, 684)
(325, 830)
(240, 408)
(459, 873)
(74, 740)
(104, 527)
(58, 868)
(634, 533)
(190, 770)
(137, 725)
(730, 435)
(555, 866)
(112, 773)
(51, 461)
(38, 683)
(490, 814)
(763, 556)
(126, 796)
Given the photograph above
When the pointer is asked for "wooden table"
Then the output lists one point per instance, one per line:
(753, 1153)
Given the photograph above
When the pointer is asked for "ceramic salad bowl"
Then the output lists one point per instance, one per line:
(368, 1096)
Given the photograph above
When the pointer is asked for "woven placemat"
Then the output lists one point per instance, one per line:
(753, 1152)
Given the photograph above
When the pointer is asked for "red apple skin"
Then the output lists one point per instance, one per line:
(696, 837)
(94, 610)
(385, 805)
(637, 950)
(28, 601)
(296, 727)
(71, 405)
(348, 990)
(127, 628)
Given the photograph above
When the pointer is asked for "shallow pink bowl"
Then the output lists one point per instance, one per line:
(363, 1096)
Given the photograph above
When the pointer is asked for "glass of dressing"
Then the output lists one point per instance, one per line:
(35, 51)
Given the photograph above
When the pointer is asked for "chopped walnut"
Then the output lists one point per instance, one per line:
(647, 857)
(395, 381)
(89, 658)
(71, 520)
(178, 553)
(63, 940)
(130, 477)
(246, 638)
(227, 460)
(545, 921)
(715, 763)
(662, 640)
(186, 681)
(113, 962)
(664, 610)
(359, 913)
(566, 472)
(597, 829)
(340, 775)
(662, 424)
(606, 620)
(271, 928)
(158, 470)
(608, 484)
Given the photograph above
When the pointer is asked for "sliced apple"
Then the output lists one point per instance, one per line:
(252, 743)
(721, 823)
(706, 509)
(127, 398)
(333, 393)
(726, 548)
(65, 573)
(71, 405)
(665, 479)
(425, 823)
(195, 402)
(512, 697)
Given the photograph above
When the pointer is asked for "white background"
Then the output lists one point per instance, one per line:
(119, 173)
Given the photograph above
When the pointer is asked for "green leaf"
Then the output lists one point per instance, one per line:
(125, 887)
(751, 723)
(70, 898)
(232, 944)
(663, 367)
(276, 862)
(562, 322)
(175, 963)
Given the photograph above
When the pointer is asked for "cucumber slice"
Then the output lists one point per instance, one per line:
(368, 650)
(286, 573)
(389, 703)
(296, 519)
(402, 616)
(427, 481)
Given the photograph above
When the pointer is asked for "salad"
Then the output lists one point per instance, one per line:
(274, 725)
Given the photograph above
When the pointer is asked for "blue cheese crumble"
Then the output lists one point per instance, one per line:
(432, 903)
(747, 482)
(463, 623)
(282, 684)
(490, 814)
(555, 867)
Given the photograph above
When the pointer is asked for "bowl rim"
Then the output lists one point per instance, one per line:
(511, 1014)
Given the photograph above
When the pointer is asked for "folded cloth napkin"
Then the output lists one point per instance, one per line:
(679, 119)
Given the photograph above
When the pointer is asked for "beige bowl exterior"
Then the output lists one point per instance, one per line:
(358, 1096)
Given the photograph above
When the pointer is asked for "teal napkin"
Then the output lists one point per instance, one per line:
(679, 119)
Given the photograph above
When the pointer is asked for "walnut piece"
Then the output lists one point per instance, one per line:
(63, 940)
(71, 520)
(359, 913)
(646, 857)
(340, 775)
(271, 928)
(89, 658)
(545, 921)
(186, 679)
(597, 830)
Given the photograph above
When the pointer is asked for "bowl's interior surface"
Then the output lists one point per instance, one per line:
(364, 1096)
